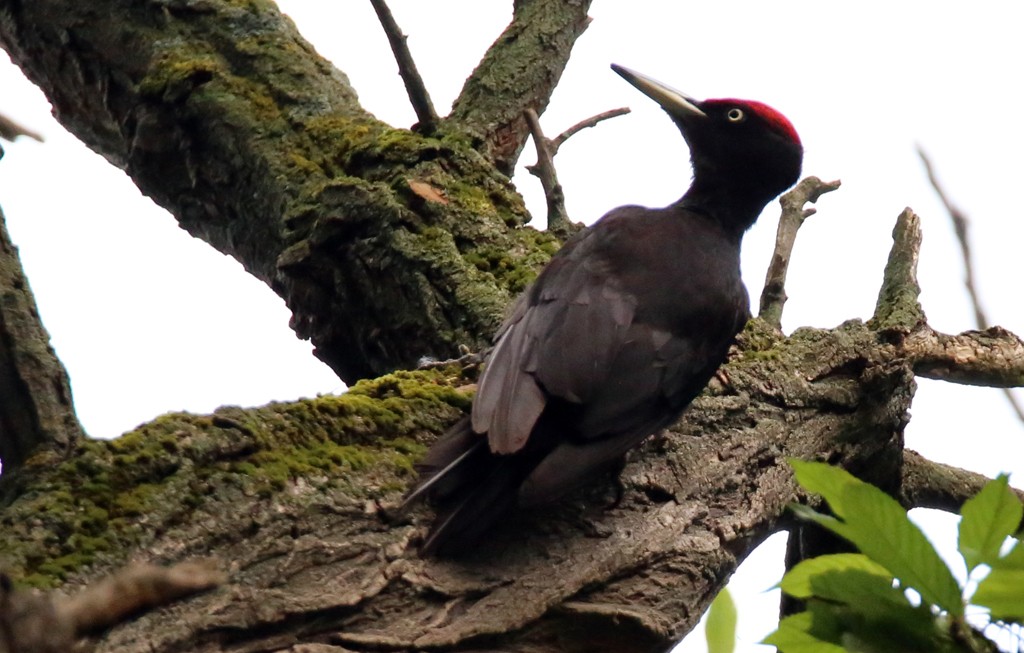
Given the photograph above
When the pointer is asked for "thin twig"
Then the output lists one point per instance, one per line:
(544, 169)
(10, 130)
(414, 86)
(557, 141)
(960, 224)
(773, 297)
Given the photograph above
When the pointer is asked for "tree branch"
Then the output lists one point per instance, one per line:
(897, 308)
(544, 169)
(37, 415)
(224, 115)
(592, 121)
(52, 623)
(418, 96)
(10, 130)
(928, 484)
(993, 358)
(960, 227)
(773, 297)
(520, 71)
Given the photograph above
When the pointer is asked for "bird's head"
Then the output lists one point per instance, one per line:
(742, 147)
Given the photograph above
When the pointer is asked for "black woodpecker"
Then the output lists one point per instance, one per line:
(619, 333)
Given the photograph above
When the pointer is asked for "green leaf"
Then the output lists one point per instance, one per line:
(1014, 558)
(720, 628)
(802, 633)
(798, 581)
(826, 480)
(882, 531)
(1002, 592)
(877, 525)
(988, 519)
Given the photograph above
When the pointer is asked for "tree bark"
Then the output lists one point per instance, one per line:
(37, 417)
(389, 246)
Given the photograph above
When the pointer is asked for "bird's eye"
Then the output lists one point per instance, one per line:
(735, 114)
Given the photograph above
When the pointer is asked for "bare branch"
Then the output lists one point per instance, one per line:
(993, 358)
(51, 623)
(557, 141)
(897, 308)
(773, 297)
(544, 169)
(960, 224)
(927, 484)
(414, 86)
(10, 130)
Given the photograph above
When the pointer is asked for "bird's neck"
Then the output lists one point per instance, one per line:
(732, 208)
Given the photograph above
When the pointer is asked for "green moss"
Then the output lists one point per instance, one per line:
(116, 494)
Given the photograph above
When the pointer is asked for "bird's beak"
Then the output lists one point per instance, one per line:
(678, 104)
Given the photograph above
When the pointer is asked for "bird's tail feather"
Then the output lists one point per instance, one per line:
(469, 487)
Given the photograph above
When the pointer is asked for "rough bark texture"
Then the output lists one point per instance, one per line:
(37, 417)
(519, 72)
(314, 555)
(388, 245)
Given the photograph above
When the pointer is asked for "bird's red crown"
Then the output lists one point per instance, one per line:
(774, 119)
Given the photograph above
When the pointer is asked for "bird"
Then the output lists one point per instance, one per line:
(621, 330)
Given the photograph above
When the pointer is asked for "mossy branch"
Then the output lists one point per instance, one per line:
(37, 416)
(223, 114)
(520, 71)
(897, 308)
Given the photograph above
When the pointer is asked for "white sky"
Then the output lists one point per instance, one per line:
(148, 320)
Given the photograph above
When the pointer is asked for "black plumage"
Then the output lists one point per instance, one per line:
(619, 333)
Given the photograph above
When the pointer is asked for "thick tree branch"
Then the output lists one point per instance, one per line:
(773, 297)
(36, 412)
(519, 72)
(292, 494)
(223, 114)
(928, 484)
(994, 357)
(960, 228)
(414, 86)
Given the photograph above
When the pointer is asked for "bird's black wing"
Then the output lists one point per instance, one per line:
(557, 343)
(582, 338)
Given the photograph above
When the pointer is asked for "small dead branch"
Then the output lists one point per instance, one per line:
(10, 130)
(414, 86)
(960, 224)
(773, 297)
(544, 169)
(897, 307)
(32, 622)
(557, 141)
